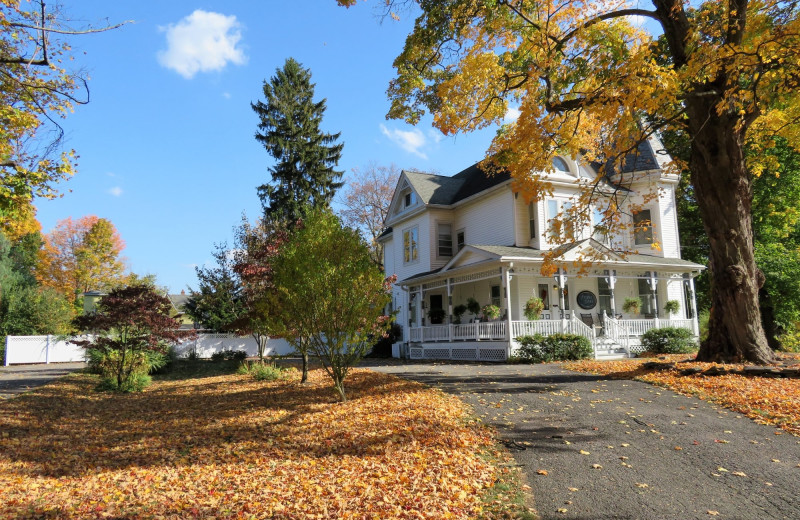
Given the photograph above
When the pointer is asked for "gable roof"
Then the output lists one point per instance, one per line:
(444, 191)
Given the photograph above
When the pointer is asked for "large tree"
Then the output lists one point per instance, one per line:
(328, 290)
(304, 174)
(82, 255)
(25, 307)
(37, 89)
(585, 80)
(366, 198)
(255, 249)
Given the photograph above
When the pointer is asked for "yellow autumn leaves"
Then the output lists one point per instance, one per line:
(225, 447)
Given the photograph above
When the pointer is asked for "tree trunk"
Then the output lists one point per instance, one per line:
(771, 328)
(338, 384)
(724, 197)
(304, 377)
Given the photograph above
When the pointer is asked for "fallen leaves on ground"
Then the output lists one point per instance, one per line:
(227, 446)
(767, 400)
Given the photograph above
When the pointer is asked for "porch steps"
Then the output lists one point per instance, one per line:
(608, 349)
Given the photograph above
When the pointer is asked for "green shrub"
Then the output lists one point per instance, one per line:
(790, 340)
(229, 355)
(192, 355)
(261, 371)
(137, 364)
(135, 383)
(702, 319)
(557, 347)
(669, 340)
(162, 362)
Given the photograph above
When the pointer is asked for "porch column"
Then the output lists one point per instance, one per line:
(611, 281)
(561, 280)
(449, 311)
(653, 282)
(693, 303)
(507, 293)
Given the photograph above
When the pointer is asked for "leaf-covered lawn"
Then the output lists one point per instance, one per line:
(227, 446)
(774, 401)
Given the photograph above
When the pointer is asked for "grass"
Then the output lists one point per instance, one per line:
(767, 400)
(203, 442)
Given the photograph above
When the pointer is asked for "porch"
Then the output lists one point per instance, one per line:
(491, 341)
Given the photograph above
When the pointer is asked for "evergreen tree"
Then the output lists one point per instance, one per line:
(304, 175)
(218, 303)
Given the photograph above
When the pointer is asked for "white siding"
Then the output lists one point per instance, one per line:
(489, 220)
(423, 263)
(675, 292)
(669, 222)
(437, 216)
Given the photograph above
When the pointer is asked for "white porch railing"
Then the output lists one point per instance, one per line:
(639, 327)
(617, 332)
(486, 331)
(529, 328)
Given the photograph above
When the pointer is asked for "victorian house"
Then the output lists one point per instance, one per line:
(470, 241)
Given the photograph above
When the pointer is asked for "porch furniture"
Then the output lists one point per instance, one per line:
(587, 319)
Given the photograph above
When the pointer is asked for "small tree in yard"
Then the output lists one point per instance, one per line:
(329, 291)
(130, 325)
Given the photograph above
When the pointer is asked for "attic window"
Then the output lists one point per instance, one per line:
(560, 164)
(409, 199)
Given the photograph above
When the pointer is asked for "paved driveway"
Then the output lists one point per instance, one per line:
(625, 449)
(16, 379)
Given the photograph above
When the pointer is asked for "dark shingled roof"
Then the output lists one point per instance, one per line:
(444, 191)
(437, 189)
(642, 159)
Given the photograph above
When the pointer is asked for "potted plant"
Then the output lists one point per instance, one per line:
(672, 306)
(437, 316)
(533, 308)
(490, 312)
(458, 311)
(632, 305)
(473, 306)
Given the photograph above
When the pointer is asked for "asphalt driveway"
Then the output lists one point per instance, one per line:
(595, 448)
(16, 379)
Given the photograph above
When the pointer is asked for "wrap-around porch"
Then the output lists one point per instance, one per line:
(589, 304)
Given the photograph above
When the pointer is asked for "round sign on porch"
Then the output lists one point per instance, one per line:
(587, 300)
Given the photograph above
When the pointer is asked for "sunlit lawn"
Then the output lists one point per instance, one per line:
(768, 400)
(218, 446)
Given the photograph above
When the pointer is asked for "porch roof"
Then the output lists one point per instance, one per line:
(497, 254)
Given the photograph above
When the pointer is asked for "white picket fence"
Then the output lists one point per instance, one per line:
(46, 349)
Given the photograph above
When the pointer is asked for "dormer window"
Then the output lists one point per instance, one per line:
(560, 165)
(409, 199)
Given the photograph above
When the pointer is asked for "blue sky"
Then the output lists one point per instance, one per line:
(166, 144)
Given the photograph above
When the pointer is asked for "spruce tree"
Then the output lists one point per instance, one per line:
(304, 175)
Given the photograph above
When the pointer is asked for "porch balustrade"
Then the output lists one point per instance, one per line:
(618, 330)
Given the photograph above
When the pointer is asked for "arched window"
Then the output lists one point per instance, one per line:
(560, 164)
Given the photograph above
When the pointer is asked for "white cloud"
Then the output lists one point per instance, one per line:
(435, 135)
(226, 95)
(115, 191)
(203, 41)
(512, 114)
(409, 140)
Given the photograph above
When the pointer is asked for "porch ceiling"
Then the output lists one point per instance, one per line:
(489, 256)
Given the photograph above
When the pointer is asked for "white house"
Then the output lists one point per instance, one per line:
(470, 236)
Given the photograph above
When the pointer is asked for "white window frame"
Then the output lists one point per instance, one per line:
(460, 245)
(439, 239)
(562, 205)
(647, 232)
(412, 255)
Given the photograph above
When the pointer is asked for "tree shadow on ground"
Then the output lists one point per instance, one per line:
(67, 429)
